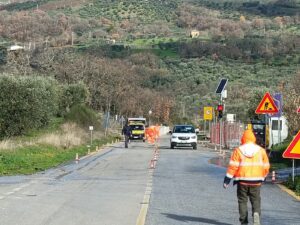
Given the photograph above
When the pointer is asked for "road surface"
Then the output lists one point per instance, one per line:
(116, 187)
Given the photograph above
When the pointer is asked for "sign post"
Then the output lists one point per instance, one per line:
(91, 128)
(220, 90)
(293, 151)
(207, 115)
(266, 106)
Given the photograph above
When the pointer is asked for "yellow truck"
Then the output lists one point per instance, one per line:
(137, 128)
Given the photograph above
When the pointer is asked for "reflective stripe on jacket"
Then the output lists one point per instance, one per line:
(249, 163)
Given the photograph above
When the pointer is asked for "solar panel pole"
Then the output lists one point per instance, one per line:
(220, 126)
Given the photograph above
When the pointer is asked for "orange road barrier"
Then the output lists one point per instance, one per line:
(273, 176)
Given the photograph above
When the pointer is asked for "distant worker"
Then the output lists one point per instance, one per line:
(248, 166)
(150, 134)
(126, 131)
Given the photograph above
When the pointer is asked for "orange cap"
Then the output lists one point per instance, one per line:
(248, 136)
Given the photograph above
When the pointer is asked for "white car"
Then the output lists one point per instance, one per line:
(182, 136)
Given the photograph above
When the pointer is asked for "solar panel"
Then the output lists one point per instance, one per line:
(221, 86)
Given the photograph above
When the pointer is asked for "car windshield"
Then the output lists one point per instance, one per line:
(184, 129)
(257, 127)
(137, 127)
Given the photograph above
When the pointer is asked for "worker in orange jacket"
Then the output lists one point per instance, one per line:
(248, 166)
(150, 135)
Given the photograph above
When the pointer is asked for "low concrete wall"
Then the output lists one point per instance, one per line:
(164, 130)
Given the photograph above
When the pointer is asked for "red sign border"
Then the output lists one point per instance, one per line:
(287, 153)
(267, 95)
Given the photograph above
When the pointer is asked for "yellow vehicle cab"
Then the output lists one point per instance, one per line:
(137, 128)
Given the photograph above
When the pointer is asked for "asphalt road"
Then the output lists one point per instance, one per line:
(188, 190)
(104, 189)
(116, 187)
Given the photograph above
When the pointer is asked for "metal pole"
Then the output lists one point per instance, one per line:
(204, 129)
(209, 128)
(293, 176)
(220, 133)
(266, 125)
(220, 126)
(279, 130)
(91, 138)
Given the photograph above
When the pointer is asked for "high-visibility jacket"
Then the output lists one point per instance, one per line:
(150, 135)
(249, 164)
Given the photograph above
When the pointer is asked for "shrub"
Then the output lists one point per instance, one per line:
(82, 115)
(3, 55)
(71, 95)
(295, 186)
(26, 103)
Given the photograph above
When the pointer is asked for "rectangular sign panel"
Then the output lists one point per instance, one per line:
(208, 113)
(277, 97)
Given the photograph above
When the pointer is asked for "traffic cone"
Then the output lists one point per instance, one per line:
(273, 176)
(152, 166)
(77, 158)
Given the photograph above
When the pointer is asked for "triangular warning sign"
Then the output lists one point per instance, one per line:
(293, 150)
(267, 105)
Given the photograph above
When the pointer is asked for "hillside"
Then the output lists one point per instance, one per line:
(165, 55)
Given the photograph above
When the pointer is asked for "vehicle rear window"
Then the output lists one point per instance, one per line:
(184, 129)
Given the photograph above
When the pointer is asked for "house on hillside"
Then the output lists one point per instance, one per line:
(15, 48)
(194, 33)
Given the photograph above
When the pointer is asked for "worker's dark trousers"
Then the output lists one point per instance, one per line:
(243, 192)
(126, 141)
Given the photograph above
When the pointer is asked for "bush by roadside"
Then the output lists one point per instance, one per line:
(295, 186)
(49, 147)
(276, 159)
(278, 162)
(30, 102)
(26, 103)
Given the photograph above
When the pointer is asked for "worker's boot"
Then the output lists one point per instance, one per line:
(256, 219)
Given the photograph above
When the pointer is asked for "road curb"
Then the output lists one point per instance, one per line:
(101, 149)
(290, 192)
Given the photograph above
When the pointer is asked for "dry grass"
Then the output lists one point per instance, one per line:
(68, 136)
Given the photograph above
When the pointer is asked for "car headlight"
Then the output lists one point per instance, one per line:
(173, 136)
(193, 137)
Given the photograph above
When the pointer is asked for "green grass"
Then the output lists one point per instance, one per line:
(29, 160)
(295, 186)
(54, 125)
(166, 53)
